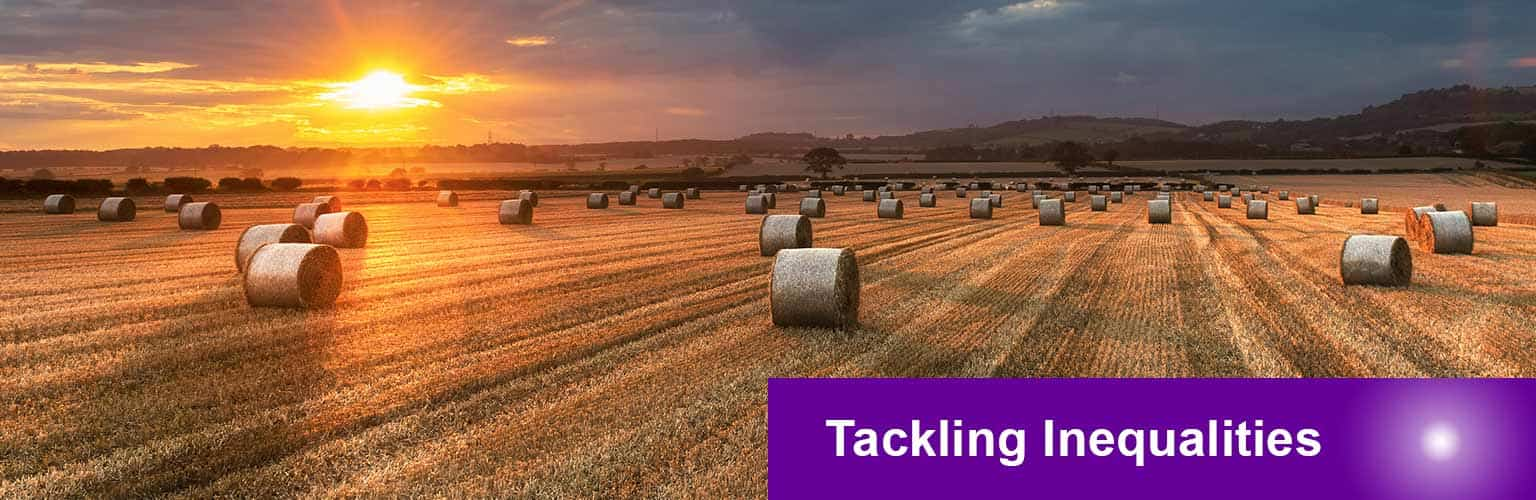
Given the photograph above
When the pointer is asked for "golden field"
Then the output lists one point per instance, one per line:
(624, 352)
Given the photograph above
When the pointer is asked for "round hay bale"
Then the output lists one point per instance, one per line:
(1370, 206)
(1447, 232)
(1258, 210)
(817, 287)
(1304, 206)
(653, 193)
(1069, 196)
(1116, 197)
(1209, 196)
(1440, 207)
(174, 202)
(331, 201)
(757, 204)
(871, 195)
(517, 211)
(201, 215)
(116, 209)
(1034, 201)
(306, 213)
(959, 192)
(1223, 201)
(300, 275)
(1285, 195)
(673, 201)
(1237, 192)
(255, 236)
(772, 199)
(887, 195)
(813, 207)
(1052, 213)
(692, 193)
(597, 201)
(626, 197)
(1413, 222)
(858, 187)
(996, 200)
(889, 208)
(743, 188)
(1485, 213)
(1093, 189)
(1264, 189)
(1317, 201)
(1159, 212)
(839, 190)
(341, 230)
(1247, 198)
(813, 193)
(1022, 188)
(928, 200)
(634, 188)
(927, 190)
(986, 193)
(59, 204)
(532, 197)
(779, 232)
(1098, 203)
(981, 208)
(447, 199)
(1370, 259)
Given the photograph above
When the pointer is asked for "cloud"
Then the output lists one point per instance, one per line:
(1523, 62)
(1018, 12)
(531, 41)
(685, 111)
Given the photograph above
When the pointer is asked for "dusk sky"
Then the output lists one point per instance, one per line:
(105, 74)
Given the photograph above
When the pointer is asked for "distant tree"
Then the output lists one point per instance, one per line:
(423, 183)
(692, 172)
(187, 185)
(1528, 149)
(357, 183)
(231, 184)
(1110, 157)
(398, 172)
(42, 173)
(137, 185)
(398, 184)
(823, 160)
(1069, 156)
(374, 185)
(1405, 150)
(286, 183)
(252, 184)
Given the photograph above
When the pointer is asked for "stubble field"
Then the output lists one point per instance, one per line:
(626, 351)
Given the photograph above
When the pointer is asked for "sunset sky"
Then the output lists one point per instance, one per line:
(103, 74)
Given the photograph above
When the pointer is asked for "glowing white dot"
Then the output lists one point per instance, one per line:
(1440, 442)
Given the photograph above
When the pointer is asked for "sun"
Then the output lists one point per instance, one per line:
(381, 89)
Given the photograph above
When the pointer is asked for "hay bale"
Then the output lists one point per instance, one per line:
(341, 230)
(743, 188)
(1440, 207)
(201, 215)
(996, 200)
(1370, 206)
(532, 197)
(1285, 195)
(757, 204)
(986, 193)
(887, 195)
(1264, 189)
(1034, 201)
(779, 232)
(1116, 197)
(1317, 201)
(889, 208)
(1209, 196)
(306, 213)
(1304, 206)
(1022, 188)
(655, 193)
(1446, 232)
(839, 190)
(1052, 213)
(518, 211)
(813, 207)
(117, 209)
(772, 200)
(626, 197)
(1098, 203)
(1485, 213)
(1093, 189)
(816, 287)
(597, 200)
(960, 192)
(1258, 210)
(928, 200)
(926, 190)
(673, 201)
(1069, 197)
(634, 188)
(692, 193)
(1223, 201)
(332, 202)
(1413, 222)
(447, 199)
(174, 202)
(871, 195)
(1159, 212)
(255, 236)
(59, 204)
(300, 275)
(814, 193)
(1237, 192)
(1247, 198)
(981, 208)
(1369, 259)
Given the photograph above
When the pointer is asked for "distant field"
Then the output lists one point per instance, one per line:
(1404, 191)
(1346, 165)
(624, 352)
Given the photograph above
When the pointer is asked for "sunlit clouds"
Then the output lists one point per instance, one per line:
(531, 41)
(379, 90)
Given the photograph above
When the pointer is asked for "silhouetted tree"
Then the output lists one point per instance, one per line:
(43, 174)
(1069, 156)
(1405, 150)
(823, 160)
(286, 183)
(1110, 157)
(187, 185)
(398, 184)
(137, 185)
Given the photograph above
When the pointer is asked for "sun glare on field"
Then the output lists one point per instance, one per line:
(379, 90)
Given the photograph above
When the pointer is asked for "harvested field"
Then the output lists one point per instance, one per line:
(624, 352)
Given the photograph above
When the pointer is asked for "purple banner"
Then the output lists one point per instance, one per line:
(1152, 438)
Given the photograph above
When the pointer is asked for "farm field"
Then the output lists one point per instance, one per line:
(624, 352)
